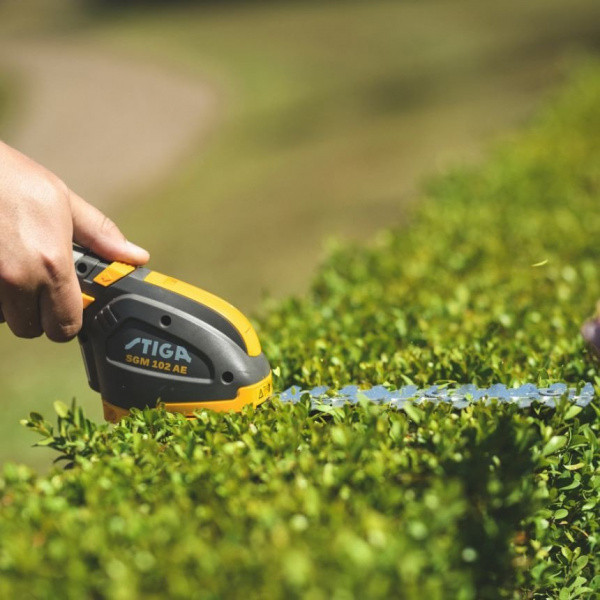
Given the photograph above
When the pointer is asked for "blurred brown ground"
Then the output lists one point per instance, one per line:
(103, 122)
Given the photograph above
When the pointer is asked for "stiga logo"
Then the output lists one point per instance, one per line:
(158, 349)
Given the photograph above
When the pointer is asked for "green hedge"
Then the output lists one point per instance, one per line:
(364, 502)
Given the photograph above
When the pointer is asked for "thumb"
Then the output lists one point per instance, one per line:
(95, 231)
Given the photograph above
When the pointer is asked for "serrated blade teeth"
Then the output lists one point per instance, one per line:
(459, 397)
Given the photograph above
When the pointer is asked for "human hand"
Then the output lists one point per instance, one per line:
(39, 219)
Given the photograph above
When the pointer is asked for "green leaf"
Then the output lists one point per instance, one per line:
(61, 409)
(415, 413)
(566, 552)
(35, 417)
(579, 564)
(572, 412)
(555, 443)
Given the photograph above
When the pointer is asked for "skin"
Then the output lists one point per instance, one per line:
(40, 217)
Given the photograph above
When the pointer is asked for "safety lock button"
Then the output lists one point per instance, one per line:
(112, 273)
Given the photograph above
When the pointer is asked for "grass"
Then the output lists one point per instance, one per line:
(329, 115)
(489, 502)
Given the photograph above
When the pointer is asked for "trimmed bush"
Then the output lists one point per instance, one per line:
(488, 282)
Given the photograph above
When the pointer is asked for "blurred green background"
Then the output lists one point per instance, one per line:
(269, 129)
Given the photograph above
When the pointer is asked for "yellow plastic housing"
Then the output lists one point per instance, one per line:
(254, 394)
(226, 310)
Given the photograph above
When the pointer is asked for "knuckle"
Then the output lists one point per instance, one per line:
(48, 191)
(54, 190)
(56, 266)
(64, 331)
(14, 275)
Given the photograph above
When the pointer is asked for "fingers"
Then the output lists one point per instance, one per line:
(46, 299)
(61, 308)
(93, 230)
(21, 312)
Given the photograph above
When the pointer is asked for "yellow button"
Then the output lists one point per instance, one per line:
(112, 273)
(87, 300)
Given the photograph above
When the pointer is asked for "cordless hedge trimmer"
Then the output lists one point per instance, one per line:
(148, 338)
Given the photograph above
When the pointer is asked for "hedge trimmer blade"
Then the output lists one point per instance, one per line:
(459, 397)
